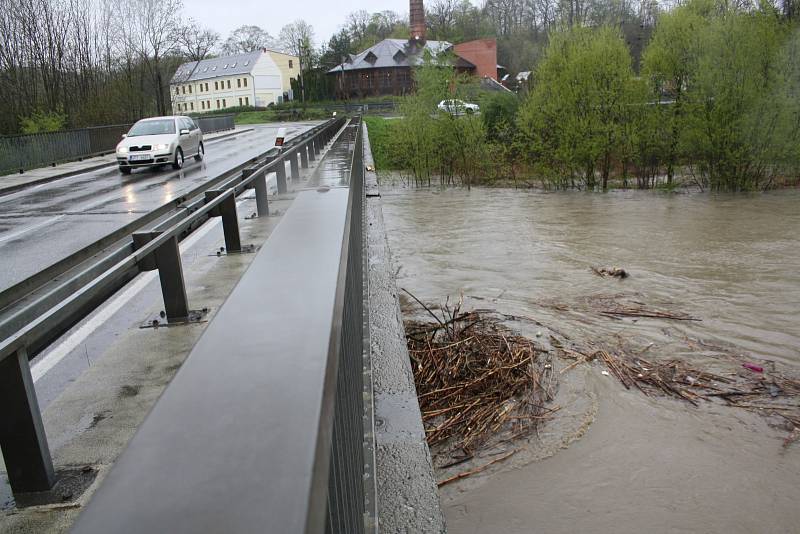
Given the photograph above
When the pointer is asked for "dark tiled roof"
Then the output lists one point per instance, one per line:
(396, 53)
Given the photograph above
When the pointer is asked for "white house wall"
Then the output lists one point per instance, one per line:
(267, 80)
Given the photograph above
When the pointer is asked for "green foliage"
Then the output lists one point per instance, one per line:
(429, 144)
(574, 121)
(498, 111)
(43, 121)
(383, 135)
(732, 121)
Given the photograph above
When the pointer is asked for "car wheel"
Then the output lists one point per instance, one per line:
(124, 170)
(200, 153)
(470, 111)
(177, 163)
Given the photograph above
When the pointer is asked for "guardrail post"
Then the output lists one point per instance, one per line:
(170, 273)
(173, 287)
(312, 149)
(230, 221)
(260, 185)
(262, 197)
(294, 166)
(280, 175)
(317, 145)
(304, 155)
(22, 436)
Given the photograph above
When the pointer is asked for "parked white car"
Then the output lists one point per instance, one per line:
(160, 141)
(458, 107)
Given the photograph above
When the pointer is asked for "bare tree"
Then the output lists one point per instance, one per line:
(297, 37)
(195, 42)
(247, 38)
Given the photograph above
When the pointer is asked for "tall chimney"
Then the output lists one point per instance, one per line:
(417, 16)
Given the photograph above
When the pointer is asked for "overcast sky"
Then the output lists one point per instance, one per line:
(326, 16)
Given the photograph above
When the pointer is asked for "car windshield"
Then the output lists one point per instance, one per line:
(153, 127)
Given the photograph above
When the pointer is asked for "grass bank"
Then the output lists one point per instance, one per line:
(381, 140)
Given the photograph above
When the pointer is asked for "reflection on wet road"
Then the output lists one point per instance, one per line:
(41, 225)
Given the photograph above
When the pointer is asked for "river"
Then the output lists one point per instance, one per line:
(614, 460)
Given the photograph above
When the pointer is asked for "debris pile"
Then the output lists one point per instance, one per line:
(752, 388)
(478, 383)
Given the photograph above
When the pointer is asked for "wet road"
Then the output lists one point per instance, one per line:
(42, 224)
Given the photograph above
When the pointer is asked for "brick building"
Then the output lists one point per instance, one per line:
(385, 69)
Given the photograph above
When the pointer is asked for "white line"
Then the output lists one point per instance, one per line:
(104, 313)
(30, 228)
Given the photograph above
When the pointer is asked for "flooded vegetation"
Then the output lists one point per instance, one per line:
(675, 388)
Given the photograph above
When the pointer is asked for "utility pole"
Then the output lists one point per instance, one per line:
(302, 81)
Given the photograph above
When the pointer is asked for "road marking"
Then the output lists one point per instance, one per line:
(30, 228)
(104, 313)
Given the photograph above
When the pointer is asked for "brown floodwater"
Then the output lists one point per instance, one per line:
(614, 460)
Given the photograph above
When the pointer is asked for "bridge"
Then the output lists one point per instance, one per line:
(215, 349)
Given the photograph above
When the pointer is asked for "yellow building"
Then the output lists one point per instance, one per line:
(253, 79)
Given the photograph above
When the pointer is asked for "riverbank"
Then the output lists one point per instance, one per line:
(639, 463)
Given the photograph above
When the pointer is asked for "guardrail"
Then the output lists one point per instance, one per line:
(363, 109)
(296, 385)
(22, 436)
(19, 153)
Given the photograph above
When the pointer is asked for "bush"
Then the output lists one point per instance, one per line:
(43, 121)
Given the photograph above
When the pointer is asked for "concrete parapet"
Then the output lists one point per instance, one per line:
(408, 499)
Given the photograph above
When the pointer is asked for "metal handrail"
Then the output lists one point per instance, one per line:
(28, 151)
(22, 437)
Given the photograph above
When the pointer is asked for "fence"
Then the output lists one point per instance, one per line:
(23, 152)
(376, 108)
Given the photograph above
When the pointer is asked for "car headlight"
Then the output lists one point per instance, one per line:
(162, 147)
(122, 150)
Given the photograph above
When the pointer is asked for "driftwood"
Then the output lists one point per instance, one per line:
(614, 272)
(475, 380)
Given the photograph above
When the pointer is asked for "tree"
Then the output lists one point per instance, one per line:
(196, 43)
(297, 38)
(154, 37)
(669, 64)
(735, 102)
(248, 38)
(573, 121)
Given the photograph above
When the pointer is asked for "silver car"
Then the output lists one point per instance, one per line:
(160, 141)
